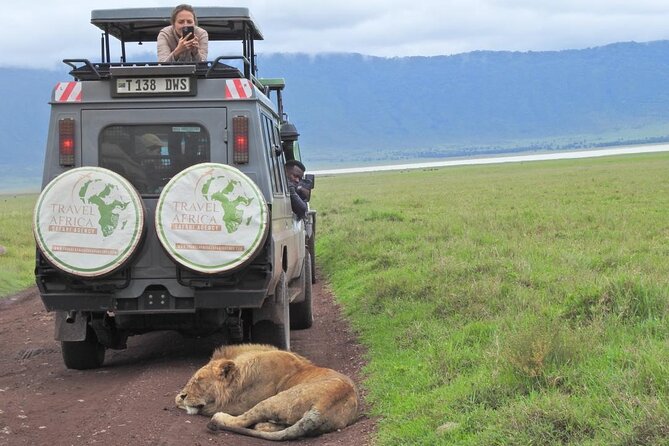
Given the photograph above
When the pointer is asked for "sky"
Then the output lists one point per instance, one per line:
(41, 33)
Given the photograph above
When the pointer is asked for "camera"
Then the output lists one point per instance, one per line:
(308, 181)
(188, 32)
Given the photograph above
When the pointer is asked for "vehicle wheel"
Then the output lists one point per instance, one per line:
(301, 313)
(276, 332)
(82, 355)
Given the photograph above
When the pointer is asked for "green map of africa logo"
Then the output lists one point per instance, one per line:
(108, 208)
(233, 210)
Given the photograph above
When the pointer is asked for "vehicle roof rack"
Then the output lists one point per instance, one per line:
(144, 24)
(273, 83)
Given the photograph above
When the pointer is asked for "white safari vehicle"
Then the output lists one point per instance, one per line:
(164, 203)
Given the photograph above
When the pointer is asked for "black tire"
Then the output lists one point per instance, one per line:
(83, 355)
(251, 235)
(271, 332)
(301, 313)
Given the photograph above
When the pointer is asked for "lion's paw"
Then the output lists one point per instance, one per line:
(223, 419)
(217, 422)
(213, 427)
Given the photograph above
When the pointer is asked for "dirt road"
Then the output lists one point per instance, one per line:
(130, 401)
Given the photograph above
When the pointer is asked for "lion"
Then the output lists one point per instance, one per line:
(264, 392)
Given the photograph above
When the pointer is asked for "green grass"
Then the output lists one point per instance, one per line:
(512, 304)
(17, 264)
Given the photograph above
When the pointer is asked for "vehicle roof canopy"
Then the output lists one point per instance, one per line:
(144, 24)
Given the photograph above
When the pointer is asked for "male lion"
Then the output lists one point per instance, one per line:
(260, 391)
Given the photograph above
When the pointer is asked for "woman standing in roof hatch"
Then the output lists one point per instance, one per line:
(183, 40)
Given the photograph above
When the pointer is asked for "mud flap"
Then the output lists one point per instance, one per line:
(273, 308)
(70, 331)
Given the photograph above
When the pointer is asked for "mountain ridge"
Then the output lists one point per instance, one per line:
(366, 108)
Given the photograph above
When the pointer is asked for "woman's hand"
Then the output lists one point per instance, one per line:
(189, 44)
(193, 44)
(185, 44)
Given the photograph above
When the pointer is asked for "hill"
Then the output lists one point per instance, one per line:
(368, 109)
(476, 102)
(24, 119)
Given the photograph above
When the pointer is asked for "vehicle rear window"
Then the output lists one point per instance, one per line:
(150, 155)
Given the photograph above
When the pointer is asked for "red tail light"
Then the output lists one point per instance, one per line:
(66, 141)
(240, 135)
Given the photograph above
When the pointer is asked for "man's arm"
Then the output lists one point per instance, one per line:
(297, 203)
(303, 192)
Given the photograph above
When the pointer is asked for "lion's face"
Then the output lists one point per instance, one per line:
(206, 388)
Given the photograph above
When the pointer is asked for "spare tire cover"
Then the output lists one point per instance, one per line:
(88, 221)
(212, 218)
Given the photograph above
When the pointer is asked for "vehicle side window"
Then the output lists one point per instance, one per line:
(150, 155)
(281, 158)
(271, 143)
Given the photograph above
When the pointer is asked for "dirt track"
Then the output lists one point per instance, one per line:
(130, 401)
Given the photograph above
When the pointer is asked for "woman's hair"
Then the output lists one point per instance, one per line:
(182, 7)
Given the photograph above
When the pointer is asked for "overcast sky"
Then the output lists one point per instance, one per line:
(40, 33)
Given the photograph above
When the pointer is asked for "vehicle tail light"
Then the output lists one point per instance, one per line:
(240, 135)
(66, 141)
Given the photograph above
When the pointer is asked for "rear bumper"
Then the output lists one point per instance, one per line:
(154, 301)
(182, 292)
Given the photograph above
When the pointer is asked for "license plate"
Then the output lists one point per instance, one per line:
(163, 86)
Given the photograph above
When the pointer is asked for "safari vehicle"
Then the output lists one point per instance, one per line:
(164, 203)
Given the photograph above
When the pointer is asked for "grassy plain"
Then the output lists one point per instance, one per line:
(513, 304)
(18, 262)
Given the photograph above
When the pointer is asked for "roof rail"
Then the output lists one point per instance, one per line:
(85, 70)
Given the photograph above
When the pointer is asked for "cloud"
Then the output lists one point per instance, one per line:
(47, 32)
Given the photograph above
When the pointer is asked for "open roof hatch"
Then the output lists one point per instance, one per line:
(144, 24)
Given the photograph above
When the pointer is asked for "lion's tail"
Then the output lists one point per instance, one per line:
(308, 425)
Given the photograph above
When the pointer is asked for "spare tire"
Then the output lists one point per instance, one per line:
(212, 218)
(88, 221)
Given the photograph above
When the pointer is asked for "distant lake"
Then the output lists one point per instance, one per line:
(29, 180)
(650, 148)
